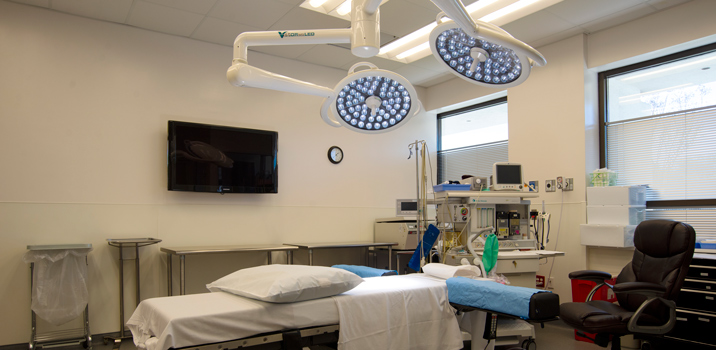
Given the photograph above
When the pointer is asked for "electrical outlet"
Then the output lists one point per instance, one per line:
(550, 186)
(560, 183)
(550, 284)
(533, 186)
(569, 184)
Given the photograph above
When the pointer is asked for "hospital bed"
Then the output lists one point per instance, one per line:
(392, 312)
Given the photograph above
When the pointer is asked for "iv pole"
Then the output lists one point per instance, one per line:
(421, 193)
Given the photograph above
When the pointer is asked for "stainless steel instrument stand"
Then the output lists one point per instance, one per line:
(121, 244)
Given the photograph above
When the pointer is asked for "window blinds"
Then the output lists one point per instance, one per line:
(674, 153)
(473, 160)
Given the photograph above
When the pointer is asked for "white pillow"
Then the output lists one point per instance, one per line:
(286, 283)
(447, 271)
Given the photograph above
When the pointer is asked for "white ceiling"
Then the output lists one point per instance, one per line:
(220, 21)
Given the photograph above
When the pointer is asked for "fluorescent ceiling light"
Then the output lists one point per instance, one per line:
(472, 8)
(345, 8)
(316, 3)
(507, 10)
(414, 50)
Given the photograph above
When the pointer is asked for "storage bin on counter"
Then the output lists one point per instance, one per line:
(616, 214)
(616, 195)
(451, 187)
(607, 235)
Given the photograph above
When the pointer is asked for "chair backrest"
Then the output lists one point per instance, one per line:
(662, 254)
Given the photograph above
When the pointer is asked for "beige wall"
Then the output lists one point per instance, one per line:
(83, 122)
(83, 129)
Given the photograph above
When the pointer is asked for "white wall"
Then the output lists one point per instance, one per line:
(83, 122)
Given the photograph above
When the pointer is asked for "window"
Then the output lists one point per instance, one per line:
(659, 129)
(471, 139)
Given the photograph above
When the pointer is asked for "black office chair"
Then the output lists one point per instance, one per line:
(646, 288)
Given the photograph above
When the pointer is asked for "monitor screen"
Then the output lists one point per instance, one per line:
(406, 207)
(212, 158)
(508, 174)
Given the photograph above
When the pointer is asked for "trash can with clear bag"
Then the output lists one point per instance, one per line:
(58, 276)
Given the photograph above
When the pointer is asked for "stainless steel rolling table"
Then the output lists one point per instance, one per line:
(63, 337)
(367, 245)
(182, 252)
(121, 244)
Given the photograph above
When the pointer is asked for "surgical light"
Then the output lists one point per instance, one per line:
(480, 52)
(372, 100)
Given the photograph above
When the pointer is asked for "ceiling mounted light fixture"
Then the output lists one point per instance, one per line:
(371, 100)
(375, 100)
(480, 52)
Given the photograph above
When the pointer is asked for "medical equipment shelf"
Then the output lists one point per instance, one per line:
(60, 337)
(122, 243)
(182, 252)
(367, 245)
(487, 194)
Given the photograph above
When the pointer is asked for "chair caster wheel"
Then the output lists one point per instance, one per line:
(529, 344)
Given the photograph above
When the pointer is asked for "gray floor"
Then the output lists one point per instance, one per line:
(555, 335)
(558, 336)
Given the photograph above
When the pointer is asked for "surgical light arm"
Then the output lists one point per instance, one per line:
(364, 37)
(487, 31)
(242, 74)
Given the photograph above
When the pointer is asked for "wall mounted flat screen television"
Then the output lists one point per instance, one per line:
(221, 159)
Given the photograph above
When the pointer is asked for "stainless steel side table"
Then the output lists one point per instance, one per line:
(121, 244)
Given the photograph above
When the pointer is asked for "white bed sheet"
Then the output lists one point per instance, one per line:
(197, 319)
(391, 312)
(408, 312)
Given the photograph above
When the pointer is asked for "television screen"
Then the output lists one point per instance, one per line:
(212, 158)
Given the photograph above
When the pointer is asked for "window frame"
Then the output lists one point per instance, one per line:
(603, 114)
(455, 112)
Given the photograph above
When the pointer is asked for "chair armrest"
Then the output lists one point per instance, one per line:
(649, 290)
(590, 275)
(634, 327)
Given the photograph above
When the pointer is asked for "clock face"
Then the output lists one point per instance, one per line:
(335, 154)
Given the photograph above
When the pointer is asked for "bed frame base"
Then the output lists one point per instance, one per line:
(295, 339)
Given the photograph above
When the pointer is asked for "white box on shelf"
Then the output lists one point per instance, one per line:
(616, 195)
(616, 214)
(607, 235)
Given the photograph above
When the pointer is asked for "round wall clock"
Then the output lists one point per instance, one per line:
(335, 154)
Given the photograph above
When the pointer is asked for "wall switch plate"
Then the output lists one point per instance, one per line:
(550, 186)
